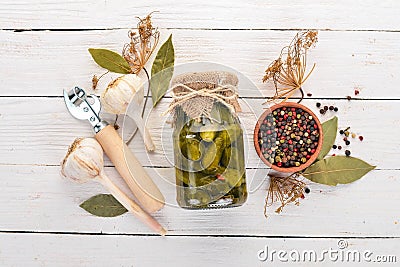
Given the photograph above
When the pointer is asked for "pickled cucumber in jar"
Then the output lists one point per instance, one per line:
(209, 160)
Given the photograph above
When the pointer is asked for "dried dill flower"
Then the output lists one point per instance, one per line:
(95, 80)
(143, 41)
(288, 72)
(284, 190)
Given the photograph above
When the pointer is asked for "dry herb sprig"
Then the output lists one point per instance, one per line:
(143, 41)
(285, 190)
(288, 72)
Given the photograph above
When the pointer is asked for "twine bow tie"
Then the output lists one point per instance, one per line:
(223, 94)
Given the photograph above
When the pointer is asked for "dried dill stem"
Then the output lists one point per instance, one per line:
(288, 72)
(143, 41)
(285, 190)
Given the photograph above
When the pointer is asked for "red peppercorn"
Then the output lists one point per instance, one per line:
(293, 109)
(361, 137)
(309, 94)
(356, 92)
(290, 142)
(269, 132)
(279, 164)
(308, 157)
(312, 151)
(333, 155)
(220, 177)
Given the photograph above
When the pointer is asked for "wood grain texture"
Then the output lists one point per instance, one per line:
(44, 63)
(358, 48)
(39, 131)
(83, 250)
(43, 201)
(238, 14)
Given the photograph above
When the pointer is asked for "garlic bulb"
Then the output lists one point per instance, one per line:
(84, 162)
(119, 93)
(122, 92)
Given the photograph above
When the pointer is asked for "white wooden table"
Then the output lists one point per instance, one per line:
(43, 49)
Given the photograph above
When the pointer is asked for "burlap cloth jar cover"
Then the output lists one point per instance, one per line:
(196, 92)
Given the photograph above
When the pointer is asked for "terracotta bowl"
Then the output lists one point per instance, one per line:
(257, 129)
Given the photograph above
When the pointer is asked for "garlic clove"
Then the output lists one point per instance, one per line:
(118, 94)
(84, 160)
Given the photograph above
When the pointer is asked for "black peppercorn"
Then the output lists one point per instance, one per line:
(326, 108)
(336, 109)
(307, 190)
(347, 142)
(334, 146)
(318, 105)
(347, 152)
(331, 108)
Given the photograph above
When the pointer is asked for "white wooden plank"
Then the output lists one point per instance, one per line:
(36, 198)
(285, 14)
(75, 250)
(43, 63)
(39, 130)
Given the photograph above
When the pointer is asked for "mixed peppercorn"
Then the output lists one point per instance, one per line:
(288, 137)
(324, 109)
(346, 140)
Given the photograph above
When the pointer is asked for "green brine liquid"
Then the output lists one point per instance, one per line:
(209, 160)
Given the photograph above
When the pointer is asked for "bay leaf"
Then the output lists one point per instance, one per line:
(337, 170)
(103, 205)
(162, 71)
(110, 60)
(329, 130)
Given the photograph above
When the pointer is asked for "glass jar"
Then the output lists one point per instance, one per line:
(209, 159)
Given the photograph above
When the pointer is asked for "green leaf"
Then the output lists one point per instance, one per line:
(103, 205)
(337, 170)
(162, 71)
(110, 60)
(329, 130)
